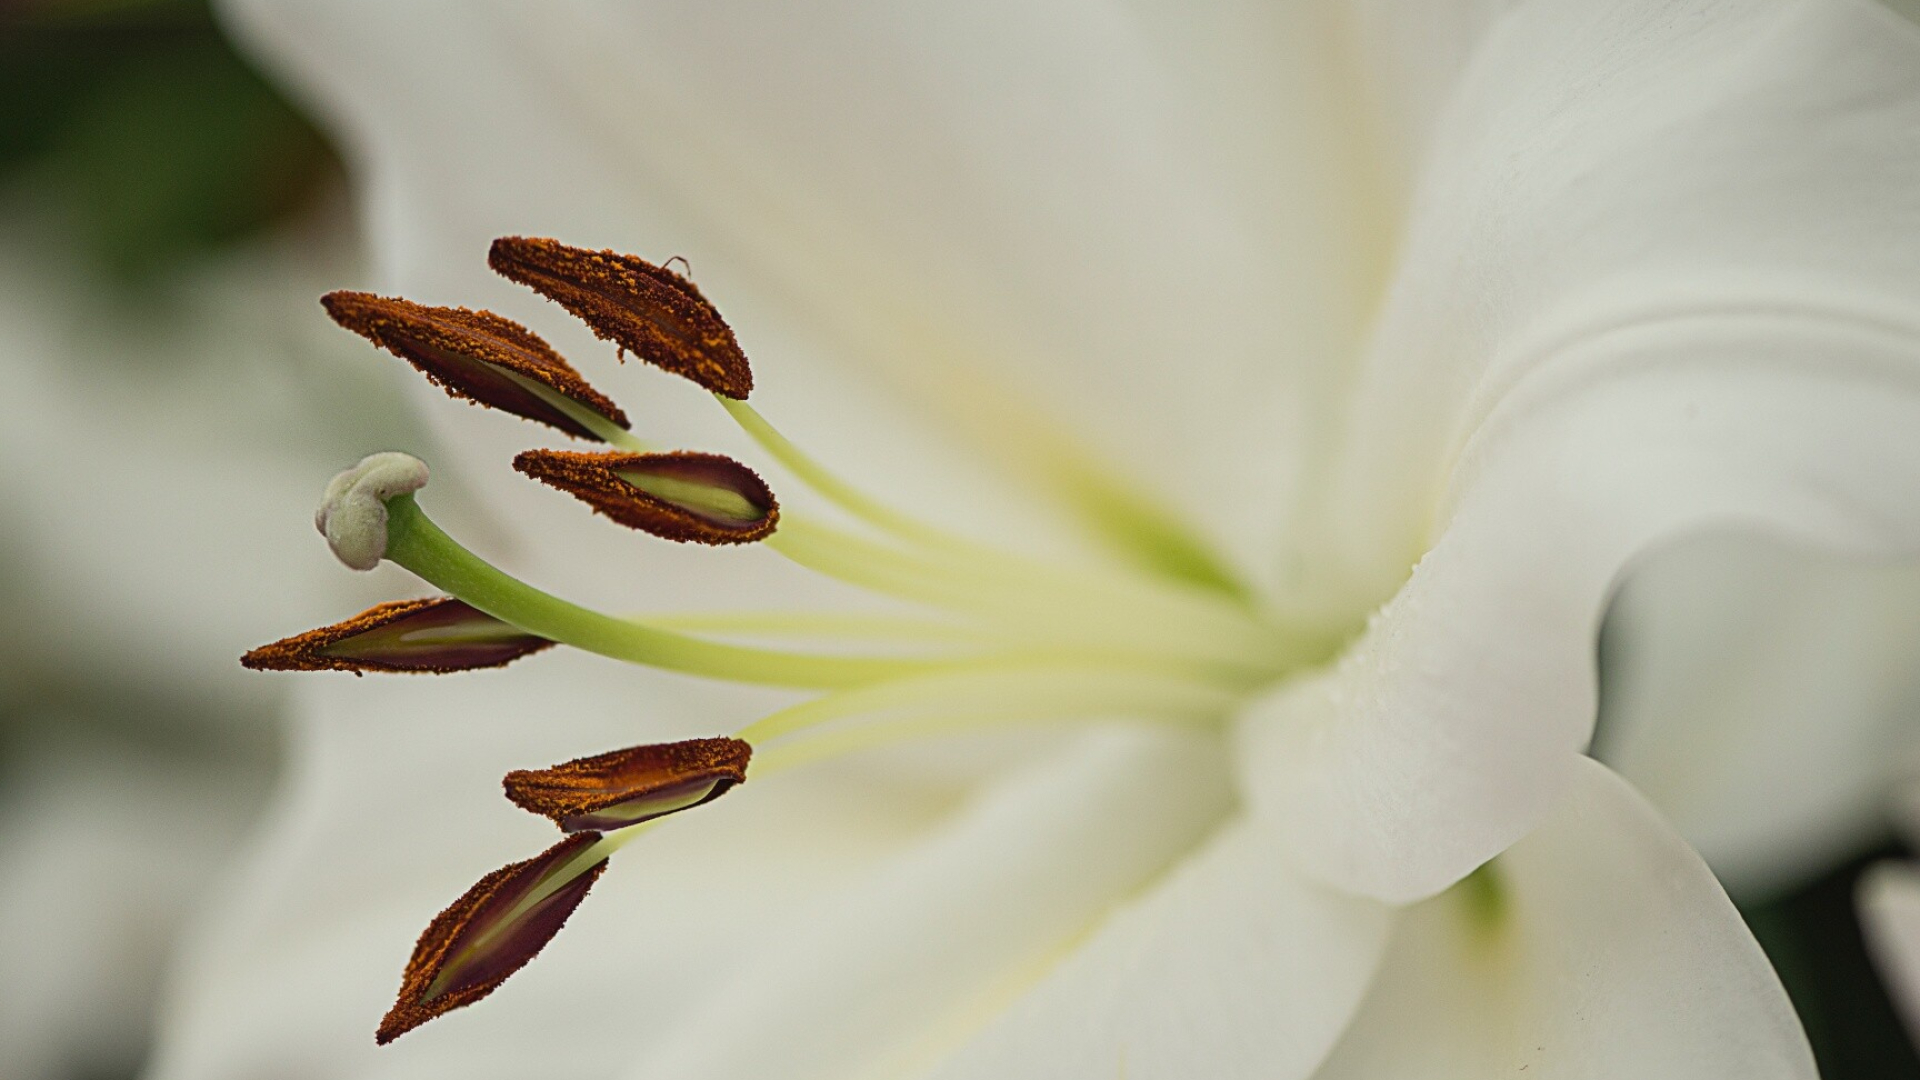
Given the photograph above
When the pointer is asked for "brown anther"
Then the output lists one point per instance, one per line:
(626, 787)
(474, 355)
(647, 310)
(490, 933)
(438, 634)
(685, 496)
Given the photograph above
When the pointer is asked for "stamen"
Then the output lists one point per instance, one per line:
(482, 357)
(1012, 640)
(626, 787)
(645, 309)
(432, 635)
(689, 497)
(491, 932)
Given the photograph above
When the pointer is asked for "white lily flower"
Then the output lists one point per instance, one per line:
(1650, 279)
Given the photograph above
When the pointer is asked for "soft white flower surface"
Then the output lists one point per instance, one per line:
(1631, 269)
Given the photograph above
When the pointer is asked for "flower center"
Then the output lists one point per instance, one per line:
(986, 637)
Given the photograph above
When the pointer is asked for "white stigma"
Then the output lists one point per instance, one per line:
(353, 513)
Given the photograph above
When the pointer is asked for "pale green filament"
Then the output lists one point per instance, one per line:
(1059, 606)
(956, 700)
(1086, 606)
(1146, 533)
(415, 542)
(856, 626)
(822, 480)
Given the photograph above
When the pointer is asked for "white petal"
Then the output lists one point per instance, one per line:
(1890, 919)
(1236, 965)
(1613, 954)
(1151, 219)
(1658, 282)
(1413, 56)
(1762, 697)
(886, 977)
(394, 809)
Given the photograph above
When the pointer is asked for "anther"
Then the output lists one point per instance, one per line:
(479, 356)
(626, 787)
(690, 497)
(432, 635)
(490, 933)
(353, 512)
(647, 310)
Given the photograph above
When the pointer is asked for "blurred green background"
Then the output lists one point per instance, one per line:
(136, 150)
(151, 141)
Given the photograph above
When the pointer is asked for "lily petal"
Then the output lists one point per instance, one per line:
(1152, 218)
(1412, 56)
(1236, 965)
(1609, 952)
(886, 978)
(1622, 316)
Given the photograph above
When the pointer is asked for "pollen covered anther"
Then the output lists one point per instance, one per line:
(647, 310)
(626, 787)
(476, 355)
(438, 634)
(684, 496)
(491, 932)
